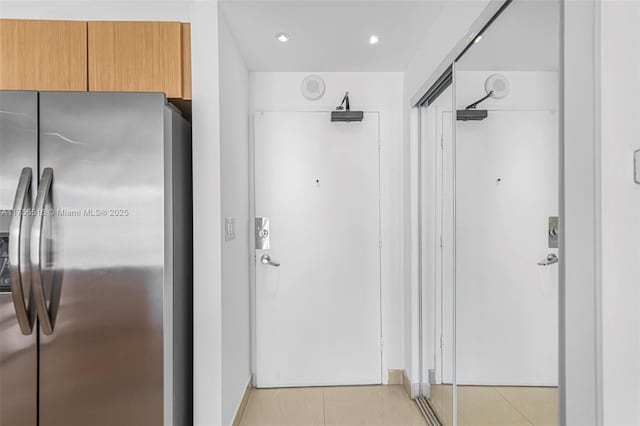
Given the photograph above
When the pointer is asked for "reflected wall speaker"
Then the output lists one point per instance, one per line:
(498, 84)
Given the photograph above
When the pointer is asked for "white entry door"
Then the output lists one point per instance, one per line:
(318, 312)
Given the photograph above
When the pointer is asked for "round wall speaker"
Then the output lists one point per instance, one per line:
(312, 87)
(498, 84)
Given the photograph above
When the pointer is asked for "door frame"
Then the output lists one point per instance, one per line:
(430, 229)
(440, 244)
(382, 112)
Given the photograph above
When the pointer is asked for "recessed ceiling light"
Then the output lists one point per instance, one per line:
(374, 39)
(283, 37)
(477, 40)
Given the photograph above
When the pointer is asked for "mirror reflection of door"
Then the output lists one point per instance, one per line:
(506, 190)
(492, 356)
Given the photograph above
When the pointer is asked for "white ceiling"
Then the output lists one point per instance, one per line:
(330, 35)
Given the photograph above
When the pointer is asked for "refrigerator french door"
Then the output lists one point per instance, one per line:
(95, 296)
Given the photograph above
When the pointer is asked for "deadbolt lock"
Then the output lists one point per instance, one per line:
(263, 240)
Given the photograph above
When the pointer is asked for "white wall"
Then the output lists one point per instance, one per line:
(273, 91)
(150, 10)
(620, 137)
(206, 165)
(234, 156)
(206, 216)
(455, 19)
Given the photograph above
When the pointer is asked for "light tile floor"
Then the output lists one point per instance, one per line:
(497, 405)
(332, 406)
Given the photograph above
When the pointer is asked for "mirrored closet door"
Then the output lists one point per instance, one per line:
(490, 195)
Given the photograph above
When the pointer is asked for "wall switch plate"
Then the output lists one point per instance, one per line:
(636, 166)
(229, 228)
(432, 377)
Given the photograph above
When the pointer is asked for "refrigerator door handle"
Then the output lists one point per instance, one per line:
(43, 208)
(19, 252)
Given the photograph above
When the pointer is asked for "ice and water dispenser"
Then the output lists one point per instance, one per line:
(5, 280)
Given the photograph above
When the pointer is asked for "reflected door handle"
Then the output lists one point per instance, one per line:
(266, 260)
(549, 260)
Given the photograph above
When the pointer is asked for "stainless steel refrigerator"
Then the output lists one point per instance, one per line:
(95, 250)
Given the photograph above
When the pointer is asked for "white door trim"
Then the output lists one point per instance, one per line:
(581, 400)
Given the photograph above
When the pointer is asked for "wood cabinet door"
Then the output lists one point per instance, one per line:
(43, 55)
(186, 61)
(136, 57)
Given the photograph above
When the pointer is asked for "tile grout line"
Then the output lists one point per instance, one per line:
(324, 409)
(524, 416)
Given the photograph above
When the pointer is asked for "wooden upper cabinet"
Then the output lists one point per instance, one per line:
(96, 56)
(43, 55)
(136, 57)
(186, 61)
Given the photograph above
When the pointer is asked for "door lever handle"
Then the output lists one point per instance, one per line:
(266, 260)
(549, 260)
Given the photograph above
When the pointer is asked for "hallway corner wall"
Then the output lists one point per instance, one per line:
(234, 174)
